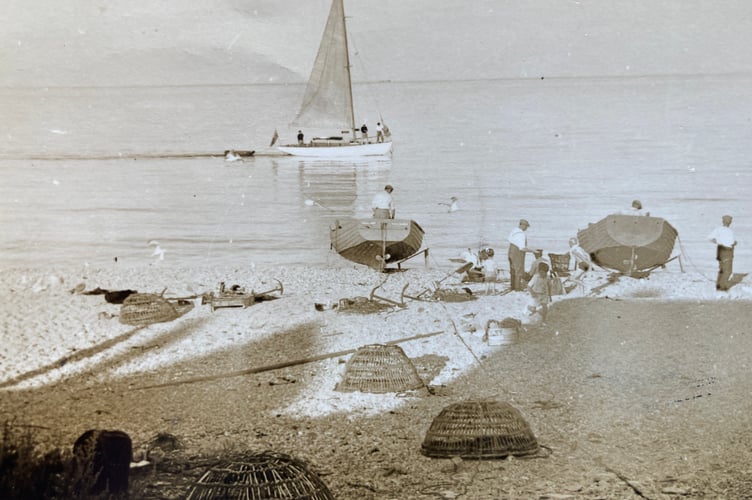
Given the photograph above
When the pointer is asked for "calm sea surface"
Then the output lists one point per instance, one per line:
(559, 152)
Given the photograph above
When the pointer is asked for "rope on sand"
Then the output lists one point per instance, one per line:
(684, 253)
(277, 366)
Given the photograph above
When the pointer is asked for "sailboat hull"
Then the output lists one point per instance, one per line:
(333, 150)
(630, 244)
(376, 242)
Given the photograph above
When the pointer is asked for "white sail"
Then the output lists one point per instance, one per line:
(328, 102)
(328, 98)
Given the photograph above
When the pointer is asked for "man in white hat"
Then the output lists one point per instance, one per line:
(723, 237)
(516, 254)
(383, 204)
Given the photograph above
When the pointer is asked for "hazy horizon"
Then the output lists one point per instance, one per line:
(91, 43)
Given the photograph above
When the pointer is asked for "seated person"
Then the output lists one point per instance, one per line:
(476, 274)
(471, 257)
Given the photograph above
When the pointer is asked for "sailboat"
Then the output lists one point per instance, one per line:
(328, 102)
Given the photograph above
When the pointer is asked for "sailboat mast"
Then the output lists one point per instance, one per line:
(349, 77)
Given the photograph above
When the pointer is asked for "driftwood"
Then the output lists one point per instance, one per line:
(277, 366)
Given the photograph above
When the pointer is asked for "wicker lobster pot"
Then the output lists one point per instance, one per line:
(260, 476)
(142, 309)
(479, 429)
(379, 368)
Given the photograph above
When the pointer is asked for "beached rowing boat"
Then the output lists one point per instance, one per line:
(376, 242)
(630, 244)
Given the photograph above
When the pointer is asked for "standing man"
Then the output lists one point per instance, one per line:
(723, 238)
(379, 132)
(382, 204)
(516, 253)
(300, 137)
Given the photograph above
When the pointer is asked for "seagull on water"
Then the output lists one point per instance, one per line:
(158, 250)
(231, 155)
(453, 205)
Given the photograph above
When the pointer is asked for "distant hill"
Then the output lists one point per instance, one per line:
(142, 42)
(156, 66)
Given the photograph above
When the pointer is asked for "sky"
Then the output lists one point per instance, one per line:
(172, 42)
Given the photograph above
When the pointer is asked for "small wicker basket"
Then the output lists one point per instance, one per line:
(379, 368)
(560, 263)
(260, 476)
(479, 429)
(142, 309)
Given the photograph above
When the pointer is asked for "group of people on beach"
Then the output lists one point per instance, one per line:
(541, 277)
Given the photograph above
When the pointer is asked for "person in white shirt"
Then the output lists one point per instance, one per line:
(723, 237)
(471, 257)
(490, 271)
(382, 204)
(516, 254)
(379, 132)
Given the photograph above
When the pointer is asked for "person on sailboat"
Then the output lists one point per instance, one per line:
(383, 204)
(379, 132)
(364, 131)
(300, 137)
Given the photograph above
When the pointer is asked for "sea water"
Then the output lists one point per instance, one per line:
(91, 176)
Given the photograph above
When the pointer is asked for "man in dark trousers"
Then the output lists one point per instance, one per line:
(723, 237)
(516, 253)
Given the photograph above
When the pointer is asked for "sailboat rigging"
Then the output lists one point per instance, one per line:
(328, 102)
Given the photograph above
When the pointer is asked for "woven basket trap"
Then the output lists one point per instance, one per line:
(141, 309)
(379, 368)
(260, 476)
(479, 429)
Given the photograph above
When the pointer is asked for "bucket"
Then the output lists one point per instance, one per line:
(501, 332)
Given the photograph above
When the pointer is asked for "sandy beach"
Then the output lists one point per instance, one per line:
(639, 389)
(116, 120)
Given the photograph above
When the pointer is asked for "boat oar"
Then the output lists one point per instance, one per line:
(390, 301)
(279, 289)
(460, 270)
